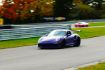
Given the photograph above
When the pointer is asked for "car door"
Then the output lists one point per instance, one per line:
(69, 38)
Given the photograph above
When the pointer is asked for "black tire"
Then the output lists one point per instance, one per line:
(62, 44)
(40, 47)
(77, 43)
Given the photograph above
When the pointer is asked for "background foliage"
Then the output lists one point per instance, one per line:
(22, 11)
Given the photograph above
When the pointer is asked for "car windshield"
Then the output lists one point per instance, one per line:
(57, 33)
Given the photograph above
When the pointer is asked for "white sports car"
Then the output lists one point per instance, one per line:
(81, 24)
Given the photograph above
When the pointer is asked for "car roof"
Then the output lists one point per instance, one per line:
(83, 22)
(62, 30)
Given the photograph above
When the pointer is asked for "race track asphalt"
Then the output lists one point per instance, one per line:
(32, 58)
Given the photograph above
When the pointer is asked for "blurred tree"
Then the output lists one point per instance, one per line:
(77, 2)
(26, 10)
(98, 4)
(82, 11)
(47, 7)
(18, 9)
(62, 8)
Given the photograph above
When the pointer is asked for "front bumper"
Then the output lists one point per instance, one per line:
(48, 45)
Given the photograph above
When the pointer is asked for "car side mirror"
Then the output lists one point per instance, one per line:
(68, 35)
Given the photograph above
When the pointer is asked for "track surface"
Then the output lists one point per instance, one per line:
(32, 58)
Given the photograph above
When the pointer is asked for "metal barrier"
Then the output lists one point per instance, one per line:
(27, 31)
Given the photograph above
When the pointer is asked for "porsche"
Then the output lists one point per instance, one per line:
(59, 38)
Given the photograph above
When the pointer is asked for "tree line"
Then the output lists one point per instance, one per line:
(88, 9)
(25, 11)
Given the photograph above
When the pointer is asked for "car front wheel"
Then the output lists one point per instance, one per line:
(62, 44)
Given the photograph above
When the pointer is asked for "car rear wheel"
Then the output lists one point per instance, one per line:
(77, 43)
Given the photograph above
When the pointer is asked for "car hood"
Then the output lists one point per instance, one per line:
(48, 39)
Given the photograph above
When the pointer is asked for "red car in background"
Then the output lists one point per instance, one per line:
(81, 24)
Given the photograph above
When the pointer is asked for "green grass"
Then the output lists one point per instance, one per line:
(100, 66)
(91, 32)
(18, 43)
(97, 24)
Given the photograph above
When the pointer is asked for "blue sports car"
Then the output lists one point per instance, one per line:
(59, 39)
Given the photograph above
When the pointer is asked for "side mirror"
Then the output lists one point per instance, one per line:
(68, 35)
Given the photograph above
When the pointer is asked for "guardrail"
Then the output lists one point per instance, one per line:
(26, 31)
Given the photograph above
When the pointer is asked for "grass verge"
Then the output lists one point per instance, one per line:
(18, 43)
(97, 24)
(100, 66)
(91, 32)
